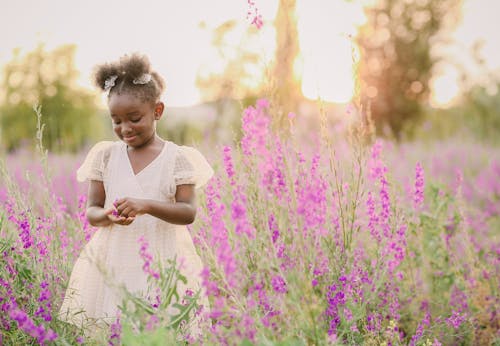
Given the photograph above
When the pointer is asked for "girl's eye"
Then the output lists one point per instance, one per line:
(135, 120)
(116, 122)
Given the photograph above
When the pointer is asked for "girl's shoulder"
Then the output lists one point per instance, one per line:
(104, 146)
(103, 149)
(97, 157)
(191, 165)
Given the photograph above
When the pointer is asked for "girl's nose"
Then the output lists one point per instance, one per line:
(125, 129)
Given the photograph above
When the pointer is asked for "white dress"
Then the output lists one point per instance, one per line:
(114, 250)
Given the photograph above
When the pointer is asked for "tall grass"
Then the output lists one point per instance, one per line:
(305, 241)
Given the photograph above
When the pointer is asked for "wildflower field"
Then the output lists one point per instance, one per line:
(306, 240)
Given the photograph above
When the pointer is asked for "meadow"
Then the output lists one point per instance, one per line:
(326, 238)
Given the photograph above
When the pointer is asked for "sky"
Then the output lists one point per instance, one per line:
(176, 35)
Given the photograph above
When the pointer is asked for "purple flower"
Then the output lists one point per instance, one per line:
(418, 197)
(147, 258)
(273, 227)
(228, 164)
(26, 324)
(426, 322)
(25, 233)
(456, 319)
(219, 238)
(373, 219)
(255, 124)
(239, 214)
(279, 284)
(116, 330)
(209, 285)
(114, 212)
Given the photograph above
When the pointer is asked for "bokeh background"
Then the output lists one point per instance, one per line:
(355, 145)
(425, 69)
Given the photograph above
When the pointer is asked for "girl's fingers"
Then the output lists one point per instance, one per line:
(124, 209)
(124, 221)
(113, 219)
(119, 203)
(130, 212)
(127, 221)
(125, 212)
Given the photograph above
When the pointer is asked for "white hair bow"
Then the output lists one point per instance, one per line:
(110, 82)
(144, 79)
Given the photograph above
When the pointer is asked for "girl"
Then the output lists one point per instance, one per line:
(141, 187)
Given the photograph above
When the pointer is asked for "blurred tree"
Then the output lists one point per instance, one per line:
(240, 80)
(476, 112)
(240, 77)
(396, 61)
(480, 110)
(47, 79)
(245, 76)
(287, 92)
(480, 102)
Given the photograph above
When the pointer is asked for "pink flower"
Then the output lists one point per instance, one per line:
(253, 14)
(115, 211)
(147, 258)
(116, 330)
(279, 285)
(373, 219)
(456, 319)
(219, 240)
(228, 164)
(255, 125)
(418, 197)
(26, 324)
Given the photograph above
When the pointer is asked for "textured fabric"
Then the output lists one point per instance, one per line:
(111, 258)
(191, 167)
(95, 162)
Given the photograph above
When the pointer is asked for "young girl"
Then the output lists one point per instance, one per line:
(140, 186)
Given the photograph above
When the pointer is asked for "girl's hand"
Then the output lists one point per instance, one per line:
(130, 207)
(113, 216)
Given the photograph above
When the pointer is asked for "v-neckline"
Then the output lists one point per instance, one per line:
(148, 165)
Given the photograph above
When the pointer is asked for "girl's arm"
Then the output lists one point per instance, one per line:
(96, 214)
(182, 212)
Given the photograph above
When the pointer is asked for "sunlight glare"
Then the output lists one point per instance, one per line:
(324, 30)
(444, 88)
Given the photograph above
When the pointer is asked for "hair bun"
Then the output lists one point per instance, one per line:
(103, 73)
(134, 66)
(131, 72)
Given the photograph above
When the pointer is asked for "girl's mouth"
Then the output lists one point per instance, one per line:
(129, 138)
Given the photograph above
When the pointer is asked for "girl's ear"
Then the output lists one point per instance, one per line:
(159, 107)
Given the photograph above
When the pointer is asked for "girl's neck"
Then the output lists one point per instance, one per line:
(152, 142)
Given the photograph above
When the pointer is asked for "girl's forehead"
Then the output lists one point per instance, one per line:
(126, 101)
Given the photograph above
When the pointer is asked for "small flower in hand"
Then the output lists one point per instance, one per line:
(116, 217)
(115, 211)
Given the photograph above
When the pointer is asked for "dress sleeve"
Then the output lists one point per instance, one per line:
(191, 167)
(93, 166)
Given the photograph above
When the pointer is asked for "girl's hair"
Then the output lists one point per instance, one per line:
(130, 74)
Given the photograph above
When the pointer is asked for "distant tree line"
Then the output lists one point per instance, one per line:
(48, 79)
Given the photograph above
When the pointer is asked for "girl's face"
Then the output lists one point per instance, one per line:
(134, 121)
